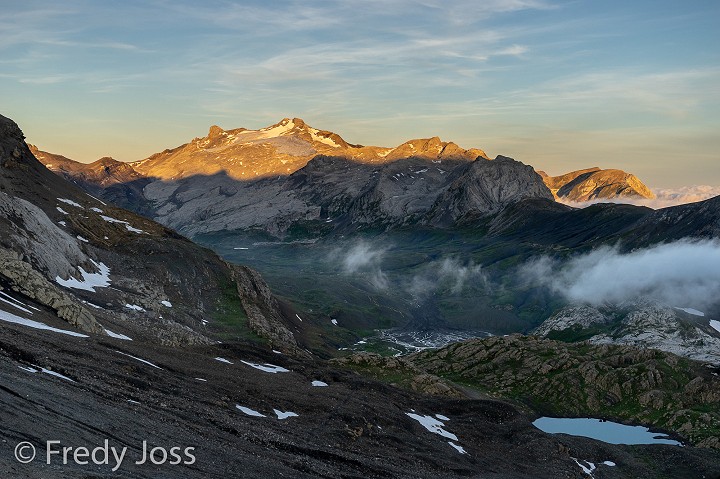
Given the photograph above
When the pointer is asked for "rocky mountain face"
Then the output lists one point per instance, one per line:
(114, 328)
(290, 174)
(650, 324)
(596, 184)
(549, 377)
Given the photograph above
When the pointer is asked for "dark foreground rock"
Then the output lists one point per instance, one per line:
(353, 427)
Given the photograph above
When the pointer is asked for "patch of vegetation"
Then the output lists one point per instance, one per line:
(229, 320)
(576, 333)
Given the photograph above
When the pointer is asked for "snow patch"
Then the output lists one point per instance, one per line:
(11, 318)
(89, 281)
(223, 360)
(57, 375)
(692, 311)
(433, 425)
(284, 415)
(84, 240)
(70, 202)
(138, 359)
(62, 211)
(248, 411)
(715, 325)
(125, 223)
(322, 139)
(319, 384)
(166, 303)
(271, 132)
(96, 210)
(96, 199)
(134, 307)
(117, 335)
(586, 469)
(268, 368)
(457, 447)
(334, 321)
(40, 369)
(15, 303)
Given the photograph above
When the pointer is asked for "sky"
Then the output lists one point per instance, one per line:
(560, 85)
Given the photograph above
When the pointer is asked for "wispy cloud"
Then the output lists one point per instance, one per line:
(449, 274)
(362, 259)
(513, 50)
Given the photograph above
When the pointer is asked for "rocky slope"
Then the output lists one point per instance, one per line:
(596, 184)
(568, 380)
(643, 323)
(84, 391)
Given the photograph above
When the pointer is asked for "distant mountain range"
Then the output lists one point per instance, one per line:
(291, 175)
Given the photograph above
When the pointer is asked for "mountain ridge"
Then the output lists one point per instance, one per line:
(281, 148)
(261, 179)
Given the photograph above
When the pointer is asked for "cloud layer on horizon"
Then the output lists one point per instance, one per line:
(665, 197)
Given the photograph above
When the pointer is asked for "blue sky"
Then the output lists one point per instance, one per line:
(560, 85)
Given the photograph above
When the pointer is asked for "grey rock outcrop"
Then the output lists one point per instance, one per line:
(572, 316)
(263, 311)
(486, 188)
(27, 281)
(45, 244)
(642, 323)
(155, 284)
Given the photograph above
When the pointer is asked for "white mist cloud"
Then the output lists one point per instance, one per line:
(666, 197)
(363, 258)
(449, 272)
(684, 273)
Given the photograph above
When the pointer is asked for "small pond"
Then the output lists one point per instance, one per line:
(606, 431)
